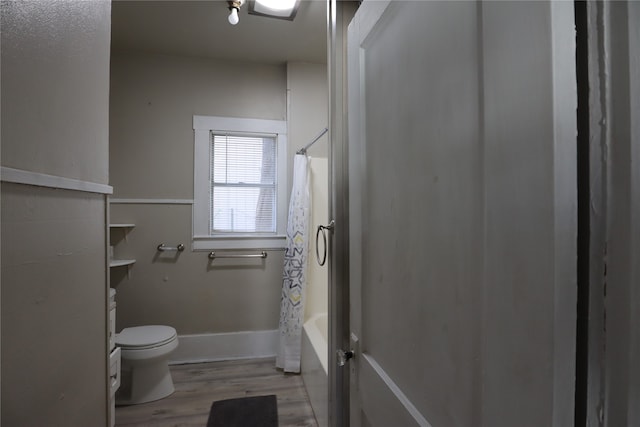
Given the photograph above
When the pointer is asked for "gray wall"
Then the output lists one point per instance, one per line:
(153, 99)
(54, 73)
(55, 85)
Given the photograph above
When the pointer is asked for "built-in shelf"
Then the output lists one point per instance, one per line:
(121, 262)
(124, 227)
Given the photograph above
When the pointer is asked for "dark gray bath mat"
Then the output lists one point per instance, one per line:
(258, 411)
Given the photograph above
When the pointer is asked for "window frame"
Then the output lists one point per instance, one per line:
(203, 126)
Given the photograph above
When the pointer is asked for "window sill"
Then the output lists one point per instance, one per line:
(239, 242)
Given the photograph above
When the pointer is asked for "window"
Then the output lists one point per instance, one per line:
(239, 183)
(243, 184)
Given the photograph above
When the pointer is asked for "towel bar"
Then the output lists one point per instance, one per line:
(163, 248)
(213, 255)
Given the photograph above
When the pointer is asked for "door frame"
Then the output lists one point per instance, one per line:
(608, 352)
(339, 14)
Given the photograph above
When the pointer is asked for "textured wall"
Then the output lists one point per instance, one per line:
(55, 74)
(53, 307)
(55, 95)
(153, 101)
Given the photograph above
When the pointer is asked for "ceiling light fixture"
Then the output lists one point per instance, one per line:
(281, 9)
(234, 8)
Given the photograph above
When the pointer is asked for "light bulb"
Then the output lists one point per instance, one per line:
(233, 16)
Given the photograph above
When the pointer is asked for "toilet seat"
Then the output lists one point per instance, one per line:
(145, 337)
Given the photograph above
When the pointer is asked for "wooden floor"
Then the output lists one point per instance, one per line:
(199, 385)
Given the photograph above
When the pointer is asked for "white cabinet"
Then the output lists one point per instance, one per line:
(112, 319)
(114, 382)
(114, 357)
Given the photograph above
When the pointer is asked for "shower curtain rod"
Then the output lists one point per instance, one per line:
(303, 150)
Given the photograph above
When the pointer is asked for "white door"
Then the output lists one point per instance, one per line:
(462, 213)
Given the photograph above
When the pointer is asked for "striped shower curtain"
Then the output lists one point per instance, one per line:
(295, 269)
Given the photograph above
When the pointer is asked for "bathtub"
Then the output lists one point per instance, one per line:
(314, 367)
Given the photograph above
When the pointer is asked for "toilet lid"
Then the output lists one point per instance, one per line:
(145, 336)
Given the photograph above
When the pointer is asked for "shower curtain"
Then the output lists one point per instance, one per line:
(295, 269)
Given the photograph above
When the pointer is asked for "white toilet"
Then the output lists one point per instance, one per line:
(145, 374)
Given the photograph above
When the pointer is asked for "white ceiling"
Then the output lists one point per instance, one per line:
(200, 28)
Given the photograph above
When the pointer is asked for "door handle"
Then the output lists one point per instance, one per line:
(321, 229)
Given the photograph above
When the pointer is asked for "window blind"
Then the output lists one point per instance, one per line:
(243, 184)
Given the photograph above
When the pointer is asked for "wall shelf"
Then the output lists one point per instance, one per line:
(121, 262)
(124, 227)
(120, 230)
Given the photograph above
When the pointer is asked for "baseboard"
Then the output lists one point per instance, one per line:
(200, 348)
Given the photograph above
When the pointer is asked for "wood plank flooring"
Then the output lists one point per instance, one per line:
(199, 385)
